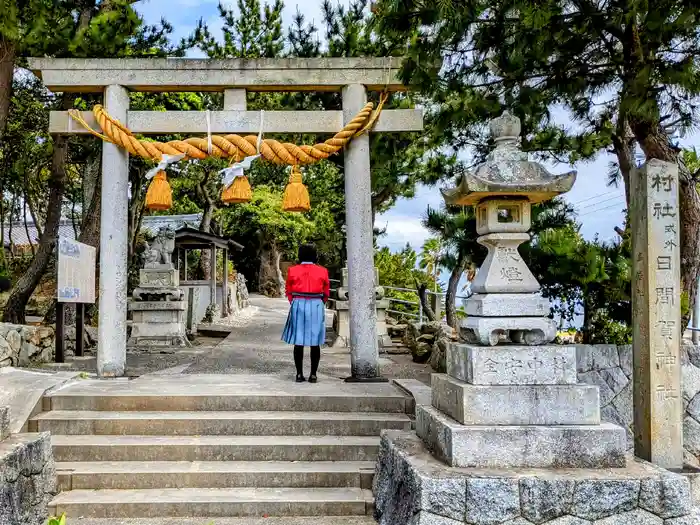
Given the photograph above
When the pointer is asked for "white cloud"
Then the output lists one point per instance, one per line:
(400, 230)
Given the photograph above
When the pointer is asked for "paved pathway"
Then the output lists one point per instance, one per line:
(255, 348)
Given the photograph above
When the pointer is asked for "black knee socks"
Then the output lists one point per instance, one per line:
(299, 359)
(315, 358)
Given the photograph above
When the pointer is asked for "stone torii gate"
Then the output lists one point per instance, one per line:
(353, 77)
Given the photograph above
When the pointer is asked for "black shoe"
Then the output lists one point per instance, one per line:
(312, 379)
(300, 378)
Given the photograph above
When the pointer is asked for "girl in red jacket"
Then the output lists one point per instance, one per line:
(308, 289)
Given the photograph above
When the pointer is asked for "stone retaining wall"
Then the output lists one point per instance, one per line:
(412, 488)
(610, 368)
(27, 475)
(22, 345)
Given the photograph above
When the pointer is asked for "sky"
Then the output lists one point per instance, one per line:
(599, 206)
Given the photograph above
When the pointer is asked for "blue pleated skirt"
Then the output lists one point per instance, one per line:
(306, 323)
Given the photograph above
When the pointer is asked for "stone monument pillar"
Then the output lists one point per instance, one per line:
(158, 308)
(342, 315)
(513, 438)
(656, 314)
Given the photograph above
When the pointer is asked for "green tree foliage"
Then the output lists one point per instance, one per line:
(692, 161)
(627, 72)
(270, 233)
(431, 257)
(400, 270)
(586, 277)
(250, 31)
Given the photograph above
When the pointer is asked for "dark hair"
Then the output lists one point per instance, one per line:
(308, 254)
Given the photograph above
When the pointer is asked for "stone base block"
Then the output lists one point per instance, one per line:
(159, 278)
(512, 365)
(564, 446)
(516, 405)
(164, 326)
(412, 488)
(383, 341)
(158, 294)
(508, 305)
(155, 306)
(489, 331)
(158, 343)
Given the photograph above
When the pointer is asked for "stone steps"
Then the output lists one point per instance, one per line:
(214, 448)
(252, 401)
(210, 502)
(214, 474)
(187, 423)
(218, 448)
(306, 520)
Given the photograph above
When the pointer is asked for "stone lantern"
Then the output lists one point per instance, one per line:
(507, 302)
(510, 436)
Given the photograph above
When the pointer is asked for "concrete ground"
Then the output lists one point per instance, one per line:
(254, 348)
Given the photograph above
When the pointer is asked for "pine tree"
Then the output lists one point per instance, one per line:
(626, 70)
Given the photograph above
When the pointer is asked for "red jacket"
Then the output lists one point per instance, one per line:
(308, 278)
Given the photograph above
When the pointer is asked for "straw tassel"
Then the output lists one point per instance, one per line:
(159, 195)
(296, 196)
(238, 191)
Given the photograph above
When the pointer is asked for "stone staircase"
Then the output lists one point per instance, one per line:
(300, 451)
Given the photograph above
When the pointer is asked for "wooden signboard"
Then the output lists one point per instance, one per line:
(75, 284)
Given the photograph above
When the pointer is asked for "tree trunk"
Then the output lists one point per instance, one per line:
(268, 278)
(588, 316)
(280, 277)
(91, 181)
(428, 312)
(135, 210)
(10, 223)
(25, 286)
(205, 256)
(3, 263)
(655, 144)
(450, 295)
(623, 144)
(205, 226)
(7, 68)
(26, 227)
(32, 206)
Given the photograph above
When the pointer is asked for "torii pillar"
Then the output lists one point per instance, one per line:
(114, 238)
(364, 352)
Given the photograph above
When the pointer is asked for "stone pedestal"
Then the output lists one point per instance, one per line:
(158, 307)
(342, 314)
(158, 323)
(517, 407)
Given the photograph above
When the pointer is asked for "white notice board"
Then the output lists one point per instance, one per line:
(76, 271)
